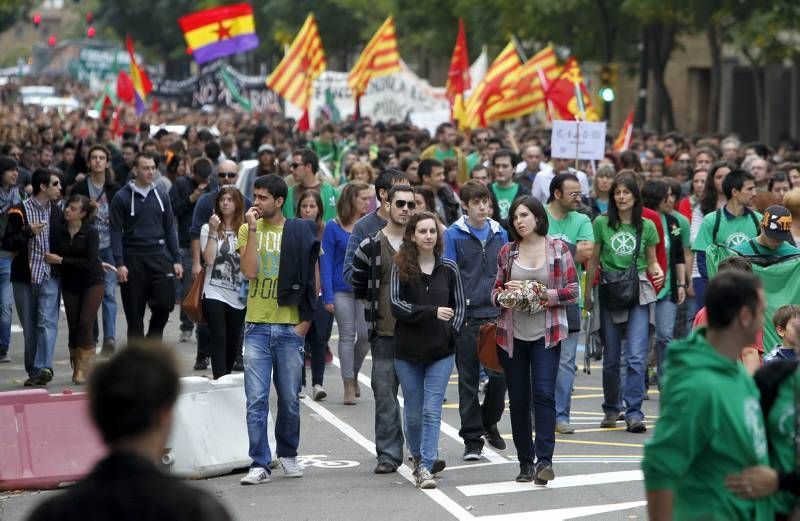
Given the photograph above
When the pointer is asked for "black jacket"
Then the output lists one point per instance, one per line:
(80, 265)
(142, 225)
(450, 205)
(17, 236)
(296, 274)
(420, 337)
(126, 487)
(110, 188)
(183, 208)
(673, 231)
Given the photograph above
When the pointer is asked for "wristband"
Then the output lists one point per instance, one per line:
(252, 230)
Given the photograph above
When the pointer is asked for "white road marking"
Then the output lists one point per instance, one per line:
(577, 480)
(562, 514)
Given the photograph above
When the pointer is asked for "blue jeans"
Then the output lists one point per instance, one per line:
(388, 425)
(636, 345)
(531, 380)
(566, 376)
(666, 313)
(37, 308)
(423, 391)
(109, 297)
(272, 349)
(700, 285)
(6, 301)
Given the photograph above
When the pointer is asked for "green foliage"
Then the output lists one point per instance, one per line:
(13, 10)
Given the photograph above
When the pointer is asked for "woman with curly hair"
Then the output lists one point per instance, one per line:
(428, 303)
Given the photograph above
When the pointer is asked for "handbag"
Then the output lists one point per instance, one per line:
(487, 347)
(192, 304)
(619, 289)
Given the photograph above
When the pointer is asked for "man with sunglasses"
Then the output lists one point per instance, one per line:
(304, 168)
(480, 140)
(35, 282)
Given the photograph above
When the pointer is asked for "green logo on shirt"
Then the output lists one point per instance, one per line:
(623, 243)
(736, 239)
(752, 417)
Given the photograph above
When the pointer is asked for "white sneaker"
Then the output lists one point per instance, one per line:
(255, 476)
(186, 336)
(318, 393)
(291, 469)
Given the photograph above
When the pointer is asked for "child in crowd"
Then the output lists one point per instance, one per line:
(787, 324)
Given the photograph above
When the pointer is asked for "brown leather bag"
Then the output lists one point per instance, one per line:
(192, 305)
(487, 347)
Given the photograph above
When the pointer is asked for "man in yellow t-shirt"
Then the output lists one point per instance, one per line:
(274, 333)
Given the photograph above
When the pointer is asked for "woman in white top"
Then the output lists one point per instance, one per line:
(222, 308)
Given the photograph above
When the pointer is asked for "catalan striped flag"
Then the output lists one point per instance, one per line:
(523, 91)
(303, 62)
(379, 58)
(623, 141)
(141, 82)
(219, 31)
(506, 63)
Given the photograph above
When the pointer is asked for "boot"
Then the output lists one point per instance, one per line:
(349, 391)
(84, 357)
(74, 361)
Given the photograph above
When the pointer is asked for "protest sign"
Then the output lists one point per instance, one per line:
(578, 140)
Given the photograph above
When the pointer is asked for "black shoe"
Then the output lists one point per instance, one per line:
(525, 473)
(636, 426)
(201, 364)
(29, 382)
(238, 364)
(384, 467)
(544, 473)
(609, 421)
(494, 438)
(43, 377)
(438, 466)
(109, 346)
(473, 450)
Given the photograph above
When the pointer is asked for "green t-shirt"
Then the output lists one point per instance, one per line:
(505, 196)
(780, 426)
(752, 247)
(686, 229)
(262, 298)
(472, 160)
(617, 246)
(573, 228)
(683, 230)
(732, 232)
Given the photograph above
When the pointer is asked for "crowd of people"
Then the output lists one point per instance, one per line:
(410, 243)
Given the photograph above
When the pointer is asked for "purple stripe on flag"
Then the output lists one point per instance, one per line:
(140, 106)
(235, 45)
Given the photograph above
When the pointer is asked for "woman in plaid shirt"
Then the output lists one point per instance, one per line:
(536, 279)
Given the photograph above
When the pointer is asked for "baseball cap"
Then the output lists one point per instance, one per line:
(266, 148)
(777, 223)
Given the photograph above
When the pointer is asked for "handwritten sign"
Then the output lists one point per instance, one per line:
(578, 140)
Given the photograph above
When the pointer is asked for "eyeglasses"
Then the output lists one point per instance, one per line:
(574, 195)
(227, 175)
(400, 203)
(55, 183)
(295, 165)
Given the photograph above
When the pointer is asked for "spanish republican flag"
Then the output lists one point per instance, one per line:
(506, 63)
(458, 80)
(623, 141)
(569, 96)
(219, 31)
(303, 62)
(523, 91)
(141, 82)
(379, 58)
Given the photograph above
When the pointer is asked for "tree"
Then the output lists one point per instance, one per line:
(13, 10)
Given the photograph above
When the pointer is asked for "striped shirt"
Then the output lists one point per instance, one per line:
(39, 244)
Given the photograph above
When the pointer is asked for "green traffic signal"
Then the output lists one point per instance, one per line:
(607, 94)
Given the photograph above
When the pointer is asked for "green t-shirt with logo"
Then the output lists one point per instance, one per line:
(617, 246)
(573, 228)
(262, 297)
(505, 196)
(683, 229)
(733, 230)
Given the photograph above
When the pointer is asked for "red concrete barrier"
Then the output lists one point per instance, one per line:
(46, 440)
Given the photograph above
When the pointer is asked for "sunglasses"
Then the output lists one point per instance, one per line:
(227, 175)
(55, 183)
(400, 203)
(295, 165)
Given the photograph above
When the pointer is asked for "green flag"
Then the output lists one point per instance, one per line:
(241, 100)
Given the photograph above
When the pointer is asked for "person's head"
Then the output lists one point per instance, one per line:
(787, 324)
(493, 146)
(624, 197)
(503, 164)
(144, 168)
(201, 170)
(675, 192)
(481, 174)
(309, 206)
(533, 156)
(739, 185)
(446, 135)
(431, 173)
(565, 192)
(421, 237)
(361, 172)
(227, 172)
(476, 201)
(400, 204)
(98, 158)
(527, 216)
(735, 301)
(480, 138)
(671, 143)
(713, 188)
(425, 198)
(46, 184)
(269, 194)
(704, 158)
(603, 179)
(129, 151)
(730, 148)
(266, 157)
(409, 165)
(450, 171)
(735, 263)
(655, 193)
(699, 182)
(792, 203)
(353, 202)
(229, 206)
(131, 396)
(68, 153)
(46, 156)
(386, 180)
(305, 164)
(8, 172)
(759, 168)
(78, 208)
(776, 226)
(779, 185)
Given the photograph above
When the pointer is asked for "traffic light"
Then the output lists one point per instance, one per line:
(90, 32)
(607, 81)
(37, 20)
(51, 41)
(89, 17)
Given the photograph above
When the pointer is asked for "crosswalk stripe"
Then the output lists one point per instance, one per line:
(577, 480)
(561, 514)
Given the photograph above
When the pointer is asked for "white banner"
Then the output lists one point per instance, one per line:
(581, 140)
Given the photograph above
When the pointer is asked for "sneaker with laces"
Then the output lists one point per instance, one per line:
(424, 479)
(564, 428)
(472, 450)
(291, 469)
(5, 359)
(255, 476)
(186, 336)
(201, 363)
(318, 393)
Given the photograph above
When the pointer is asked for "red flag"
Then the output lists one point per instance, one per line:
(623, 140)
(458, 79)
(125, 90)
(304, 123)
(107, 105)
(564, 94)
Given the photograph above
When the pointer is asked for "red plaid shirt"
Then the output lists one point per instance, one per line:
(562, 290)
